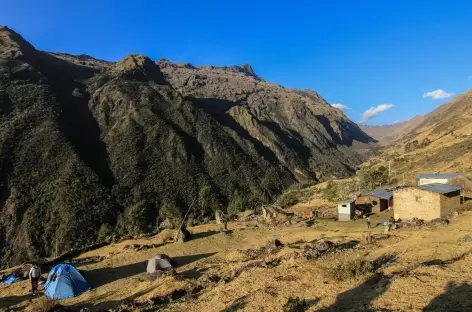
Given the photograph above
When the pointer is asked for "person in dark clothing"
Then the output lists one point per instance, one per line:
(34, 275)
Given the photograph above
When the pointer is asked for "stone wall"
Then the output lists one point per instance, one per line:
(414, 202)
(450, 203)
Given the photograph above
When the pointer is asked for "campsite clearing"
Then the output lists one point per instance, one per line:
(416, 270)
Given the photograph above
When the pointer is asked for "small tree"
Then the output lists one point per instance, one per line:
(331, 192)
(207, 201)
(371, 177)
(106, 230)
(237, 203)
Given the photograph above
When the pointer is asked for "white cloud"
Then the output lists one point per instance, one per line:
(374, 111)
(340, 106)
(437, 94)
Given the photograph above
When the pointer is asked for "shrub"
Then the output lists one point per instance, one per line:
(289, 198)
(139, 218)
(295, 305)
(331, 192)
(350, 269)
(105, 231)
(45, 305)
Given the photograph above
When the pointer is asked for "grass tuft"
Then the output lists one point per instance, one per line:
(350, 269)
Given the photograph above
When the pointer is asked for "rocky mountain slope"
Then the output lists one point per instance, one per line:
(388, 134)
(90, 148)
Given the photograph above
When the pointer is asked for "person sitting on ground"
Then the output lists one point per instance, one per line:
(34, 275)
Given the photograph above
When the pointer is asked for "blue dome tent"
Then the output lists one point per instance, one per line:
(64, 281)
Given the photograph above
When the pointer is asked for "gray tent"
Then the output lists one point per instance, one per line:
(159, 264)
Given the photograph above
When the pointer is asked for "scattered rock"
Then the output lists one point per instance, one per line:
(323, 246)
(439, 221)
(218, 217)
(182, 235)
(167, 224)
(131, 247)
(380, 236)
(256, 264)
(273, 246)
(467, 239)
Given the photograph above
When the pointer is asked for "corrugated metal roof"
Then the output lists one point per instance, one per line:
(381, 193)
(439, 175)
(439, 188)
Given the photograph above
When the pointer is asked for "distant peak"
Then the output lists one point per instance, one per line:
(248, 69)
(245, 69)
(139, 67)
(13, 46)
(165, 63)
(134, 61)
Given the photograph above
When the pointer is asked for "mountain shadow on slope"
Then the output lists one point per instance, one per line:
(91, 150)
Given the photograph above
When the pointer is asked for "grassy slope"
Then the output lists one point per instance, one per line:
(120, 275)
(388, 134)
(450, 131)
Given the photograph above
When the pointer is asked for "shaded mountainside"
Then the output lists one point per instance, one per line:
(89, 148)
(388, 134)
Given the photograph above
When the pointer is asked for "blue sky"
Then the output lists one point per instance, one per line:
(361, 54)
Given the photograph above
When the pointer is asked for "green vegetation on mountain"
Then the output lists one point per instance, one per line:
(91, 149)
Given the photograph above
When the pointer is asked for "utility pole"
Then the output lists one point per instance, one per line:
(389, 170)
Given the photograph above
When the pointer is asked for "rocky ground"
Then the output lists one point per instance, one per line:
(415, 268)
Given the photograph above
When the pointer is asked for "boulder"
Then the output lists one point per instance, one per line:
(273, 246)
(167, 224)
(218, 217)
(467, 239)
(439, 221)
(182, 235)
(323, 245)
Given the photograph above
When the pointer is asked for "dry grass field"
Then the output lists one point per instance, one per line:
(414, 277)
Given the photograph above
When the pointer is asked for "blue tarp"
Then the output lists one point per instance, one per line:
(11, 279)
(64, 281)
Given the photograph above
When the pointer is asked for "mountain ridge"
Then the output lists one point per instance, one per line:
(91, 149)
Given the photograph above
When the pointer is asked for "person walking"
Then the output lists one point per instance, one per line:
(34, 275)
(368, 222)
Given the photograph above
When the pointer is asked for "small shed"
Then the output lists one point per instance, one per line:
(443, 178)
(427, 202)
(375, 201)
(346, 210)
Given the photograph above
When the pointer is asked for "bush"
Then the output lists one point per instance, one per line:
(331, 192)
(105, 231)
(295, 305)
(139, 218)
(45, 305)
(350, 269)
(289, 198)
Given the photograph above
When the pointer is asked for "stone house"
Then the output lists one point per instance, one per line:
(375, 201)
(427, 202)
